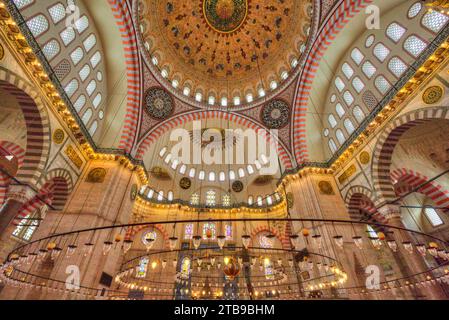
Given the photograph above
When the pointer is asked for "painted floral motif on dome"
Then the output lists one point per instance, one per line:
(225, 16)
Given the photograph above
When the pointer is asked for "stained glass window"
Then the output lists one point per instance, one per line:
(269, 270)
(265, 242)
(414, 10)
(381, 52)
(195, 199)
(209, 231)
(142, 268)
(228, 230)
(210, 198)
(340, 136)
(226, 200)
(188, 232)
(185, 268)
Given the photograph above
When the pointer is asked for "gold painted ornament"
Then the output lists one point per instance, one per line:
(433, 95)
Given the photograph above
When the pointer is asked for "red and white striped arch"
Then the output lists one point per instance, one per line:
(360, 205)
(406, 180)
(54, 190)
(346, 10)
(174, 122)
(37, 125)
(122, 13)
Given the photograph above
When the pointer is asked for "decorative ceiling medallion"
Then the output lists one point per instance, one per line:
(325, 188)
(364, 157)
(133, 193)
(160, 173)
(276, 114)
(237, 186)
(58, 136)
(433, 95)
(158, 103)
(225, 16)
(185, 183)
(96, 175)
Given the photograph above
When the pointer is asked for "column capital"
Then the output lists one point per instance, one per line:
(20, 193)
(390, 211)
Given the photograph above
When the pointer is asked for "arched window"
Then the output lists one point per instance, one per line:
(250, 200)
(332, 146)
(163, 151)
(332, 121)
(340, 110)
(226, 200)
(142, 268)
(265, 242)
(381, 52)
(268, 268)
(188, 232)
(231, 175)
(38, 25)
(340, 136)
(192, 173)
(210, 198)
(195, 199)
(209, 231)
(222, 176)
(348, 71)
(51, 49)
(414, 46)
(170, 196)
(228, 232)
(434, 20)
(358, 114)
(241, 173)
(250, 169)
(185, 268)
(160, 196)
(339, 84)
(395, 32)
(259, 201)
(358, 84)
(349, 126)
(397, 66)
(382, 84)
(202, 175)
(357, 56)
(211, 176)
(93, 128)
(87, 116)
(183, 169)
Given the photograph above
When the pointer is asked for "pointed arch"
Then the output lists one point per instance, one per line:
(170, 124)
(386, 143)
(38, 127)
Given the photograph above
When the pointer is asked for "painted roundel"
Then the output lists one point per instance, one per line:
(225, 15)
(158, 103)
(276, 114)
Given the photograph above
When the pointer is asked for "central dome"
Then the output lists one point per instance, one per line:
(225, 16)
(225, 52)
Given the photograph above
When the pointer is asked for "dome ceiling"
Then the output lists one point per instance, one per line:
(239, 50)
